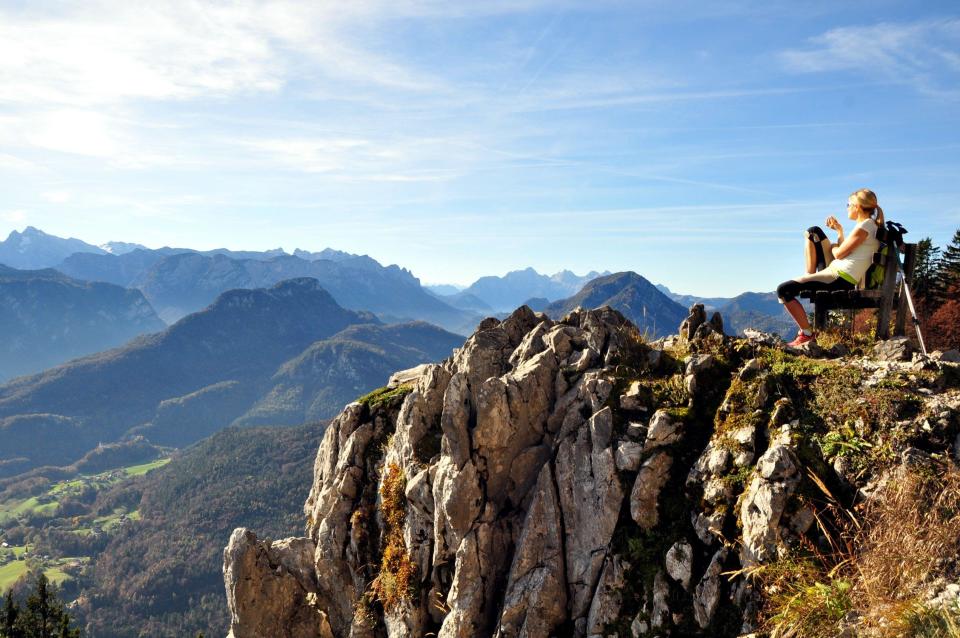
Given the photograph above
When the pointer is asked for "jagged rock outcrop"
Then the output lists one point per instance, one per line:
(271, 587)
(550, 478)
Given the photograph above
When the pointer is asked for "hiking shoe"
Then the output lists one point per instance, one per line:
(802, 339)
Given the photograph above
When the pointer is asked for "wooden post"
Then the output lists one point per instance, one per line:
(820, 307)
(886, 300)
(909, 262)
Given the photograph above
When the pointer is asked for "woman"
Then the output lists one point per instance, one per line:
(837, 266)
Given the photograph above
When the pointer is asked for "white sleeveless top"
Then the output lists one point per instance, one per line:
(854, 266)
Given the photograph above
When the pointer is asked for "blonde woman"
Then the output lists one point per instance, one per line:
(834, 266)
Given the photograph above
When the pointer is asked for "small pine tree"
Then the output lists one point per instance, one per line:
(926, 286)
(949, 271)
(8, 623)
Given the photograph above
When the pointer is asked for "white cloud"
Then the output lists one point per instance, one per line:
(73, 131)
(106, 52)
(921, 53)
(14, 163)
(14, 216)
(57, 197)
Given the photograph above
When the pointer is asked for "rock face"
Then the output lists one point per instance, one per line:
(552, 478)
(270, 587)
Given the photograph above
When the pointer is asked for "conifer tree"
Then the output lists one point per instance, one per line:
(42, 616)
(926, 284)
(8, 623)
(949, 271)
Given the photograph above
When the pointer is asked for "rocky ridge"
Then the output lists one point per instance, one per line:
(564, 478)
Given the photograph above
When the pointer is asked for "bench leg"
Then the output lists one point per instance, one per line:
(820, 316)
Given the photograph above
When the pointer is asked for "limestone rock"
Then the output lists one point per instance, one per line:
(663, 430)
(694, 320)
(660, 597)
(535, 598)
(707, 594)
(763, 338)
(764, 503)
(894, 349)
(532, 343)
(698, 363)
(716, 322)
(270, 587)
(632, 399)
(679, 563)
(590, 498)
(605, 607)
(653, 475)
(409, 376)
(628, 456)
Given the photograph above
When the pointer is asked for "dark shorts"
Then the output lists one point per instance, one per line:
(789, 290)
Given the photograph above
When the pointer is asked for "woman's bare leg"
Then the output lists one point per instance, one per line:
(810, 256)
(797, 312)
(827, 249)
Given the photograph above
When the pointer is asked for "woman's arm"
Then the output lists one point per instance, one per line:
(857, 237)
(837, 226)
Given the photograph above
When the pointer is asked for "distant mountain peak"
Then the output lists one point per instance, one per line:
(121, 247)
(629, 293)
(33, 249)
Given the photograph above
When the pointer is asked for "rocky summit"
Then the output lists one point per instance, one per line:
(566, 478)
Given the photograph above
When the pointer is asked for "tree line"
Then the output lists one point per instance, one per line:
(936, 289)
(42, 615)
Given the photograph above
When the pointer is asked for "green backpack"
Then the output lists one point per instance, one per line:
(890, 237)
(877, 271)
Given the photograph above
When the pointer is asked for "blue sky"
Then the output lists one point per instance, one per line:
(688, 141)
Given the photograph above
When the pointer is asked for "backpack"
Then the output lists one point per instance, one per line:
(890, 238)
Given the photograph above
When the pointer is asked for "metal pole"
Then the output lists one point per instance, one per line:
(906, 290)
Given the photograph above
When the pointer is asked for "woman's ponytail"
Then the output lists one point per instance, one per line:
(867, 200)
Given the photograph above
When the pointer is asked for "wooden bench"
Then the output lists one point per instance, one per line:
(889, 294)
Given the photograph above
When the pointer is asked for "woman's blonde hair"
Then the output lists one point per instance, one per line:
(866, 199)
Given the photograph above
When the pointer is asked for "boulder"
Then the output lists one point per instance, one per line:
(694, 320)
(894, 349)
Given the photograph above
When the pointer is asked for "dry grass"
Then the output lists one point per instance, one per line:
(855, 330)
(913, 536)
(881, 563)
(396, 581)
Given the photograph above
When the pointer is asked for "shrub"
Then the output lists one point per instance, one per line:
(397, 578)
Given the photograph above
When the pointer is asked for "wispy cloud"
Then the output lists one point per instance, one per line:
(14, 216)
(922, 53)
(106, 52)
(14, 163)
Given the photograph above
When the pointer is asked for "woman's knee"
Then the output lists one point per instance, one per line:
(787, 291)
(816, 234)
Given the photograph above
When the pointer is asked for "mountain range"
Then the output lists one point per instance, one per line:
(248, 352)
(47, 318)
(504, 294)
(178, 283)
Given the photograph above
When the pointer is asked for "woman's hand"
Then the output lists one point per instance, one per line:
(833, 224)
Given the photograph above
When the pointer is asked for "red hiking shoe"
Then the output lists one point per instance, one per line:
(802, 339)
